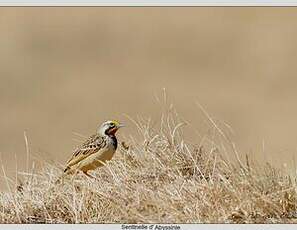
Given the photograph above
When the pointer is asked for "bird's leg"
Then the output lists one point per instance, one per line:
(74, 173)
(87, 174)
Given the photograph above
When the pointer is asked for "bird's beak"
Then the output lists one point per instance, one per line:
(120, 126)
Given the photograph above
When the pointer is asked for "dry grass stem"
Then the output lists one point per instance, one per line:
(158, 177)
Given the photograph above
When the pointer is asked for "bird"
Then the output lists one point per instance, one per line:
(96, 150)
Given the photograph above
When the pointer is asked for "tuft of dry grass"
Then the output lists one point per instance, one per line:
(158, 177)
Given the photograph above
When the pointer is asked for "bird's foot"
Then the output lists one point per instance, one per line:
(89, 175)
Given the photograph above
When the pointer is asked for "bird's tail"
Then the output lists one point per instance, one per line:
(66, 171)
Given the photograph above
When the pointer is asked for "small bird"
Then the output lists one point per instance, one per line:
(96, 150)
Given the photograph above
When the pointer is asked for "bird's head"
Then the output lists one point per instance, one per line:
(109, 127)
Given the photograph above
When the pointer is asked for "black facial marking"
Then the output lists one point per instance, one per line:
(107, 130)
(115, 142)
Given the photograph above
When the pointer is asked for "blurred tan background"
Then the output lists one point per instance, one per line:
(65, 70)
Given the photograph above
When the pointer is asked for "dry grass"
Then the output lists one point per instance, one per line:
(158, 178)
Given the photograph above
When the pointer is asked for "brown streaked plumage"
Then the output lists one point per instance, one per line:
(96, 150)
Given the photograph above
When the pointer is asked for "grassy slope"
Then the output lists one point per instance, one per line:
(160, 178)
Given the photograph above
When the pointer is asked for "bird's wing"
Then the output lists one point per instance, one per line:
(92, 145)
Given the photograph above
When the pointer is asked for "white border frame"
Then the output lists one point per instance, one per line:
(210, 3)
(148, 3)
